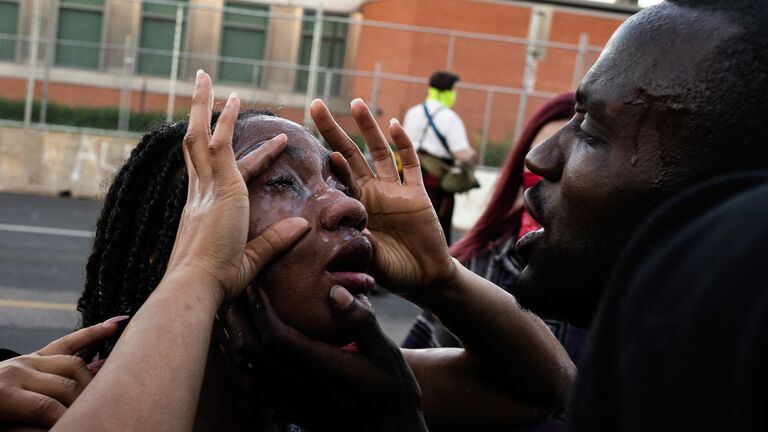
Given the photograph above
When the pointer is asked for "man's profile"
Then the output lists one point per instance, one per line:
(675, 98)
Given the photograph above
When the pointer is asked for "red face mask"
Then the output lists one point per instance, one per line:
(530, 179)
(527, 223)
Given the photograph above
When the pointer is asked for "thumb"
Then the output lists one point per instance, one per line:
(358, 321)
(273, 241)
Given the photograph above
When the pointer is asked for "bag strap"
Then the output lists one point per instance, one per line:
(440, 136)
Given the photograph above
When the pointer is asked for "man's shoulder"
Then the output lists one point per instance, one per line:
(684, 320)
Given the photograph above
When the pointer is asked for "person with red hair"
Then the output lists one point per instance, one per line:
(488, 247)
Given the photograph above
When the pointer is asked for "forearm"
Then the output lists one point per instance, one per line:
(164, 348)
(511, 346)
(456, 395)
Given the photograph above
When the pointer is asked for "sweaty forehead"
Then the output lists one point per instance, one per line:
(657, 53)
(251, 132)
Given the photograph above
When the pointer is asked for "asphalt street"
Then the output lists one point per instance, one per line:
(44, 244)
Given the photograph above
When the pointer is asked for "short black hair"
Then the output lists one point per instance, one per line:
(443, 80)
(137, 227)
(731, 104)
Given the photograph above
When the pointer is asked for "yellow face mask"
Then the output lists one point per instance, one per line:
(445, 97)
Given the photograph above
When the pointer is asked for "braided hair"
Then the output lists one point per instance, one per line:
(137, 227)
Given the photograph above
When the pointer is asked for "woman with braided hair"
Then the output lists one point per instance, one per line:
(166, 253)
(281, 348)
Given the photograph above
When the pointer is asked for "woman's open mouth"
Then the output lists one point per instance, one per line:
(349, 266)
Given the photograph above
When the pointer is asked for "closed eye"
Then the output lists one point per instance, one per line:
(283, 181)
(581, 132)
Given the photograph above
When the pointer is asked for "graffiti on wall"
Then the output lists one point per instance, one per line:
(100, 154)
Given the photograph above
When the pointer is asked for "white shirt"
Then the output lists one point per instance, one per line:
(446, 121)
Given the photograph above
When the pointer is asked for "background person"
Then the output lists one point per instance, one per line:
(431, 139)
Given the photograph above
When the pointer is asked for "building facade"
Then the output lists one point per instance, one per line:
(141, 56)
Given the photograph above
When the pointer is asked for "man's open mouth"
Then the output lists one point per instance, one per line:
(526, 244)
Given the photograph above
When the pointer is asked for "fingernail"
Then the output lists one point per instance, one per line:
(199, 72)
(366, 301)
(232, 96)
(278, 137)
(350, 347)
(116, 319)
(393, 121)
(356, 101)
(341, 296)
(95, 366)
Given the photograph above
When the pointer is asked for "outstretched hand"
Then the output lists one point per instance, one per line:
(211, 241)
(37, 389)
(411, 255)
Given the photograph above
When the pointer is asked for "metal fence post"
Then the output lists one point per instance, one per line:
(578, 67)
(327, 85)
(30, 98)
(314, 59)
(375, 88)
(255, 79)
(175, 62)
(50, 47)
(486, 126)
(529, 78)
(451, 49)
(126, 90)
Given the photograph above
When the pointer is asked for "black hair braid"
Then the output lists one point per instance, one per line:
(137, 228)
(115, 272)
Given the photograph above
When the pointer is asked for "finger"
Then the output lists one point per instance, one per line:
(273, 241)
(339, 140)
(383, 158)
(69, 366)
(35, 408)
(358, 321)
(65, 390)
(76, 341)
(192, 178)
(243, 338)
(199, 129)
(220, 146)
(341, 168)
(255, 162)
(411, 165)
(297, 351)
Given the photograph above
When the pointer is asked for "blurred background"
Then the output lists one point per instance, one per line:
(81, 79)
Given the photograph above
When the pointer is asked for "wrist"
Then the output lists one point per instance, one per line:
(194, 282)
(441, 289)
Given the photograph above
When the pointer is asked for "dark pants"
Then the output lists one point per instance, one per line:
(442, 201)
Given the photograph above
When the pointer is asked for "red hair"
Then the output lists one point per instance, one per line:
(501, 219)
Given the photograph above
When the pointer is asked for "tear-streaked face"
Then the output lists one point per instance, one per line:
(302, 183)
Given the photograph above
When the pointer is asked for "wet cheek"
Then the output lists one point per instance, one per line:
(266, 210)
(295, 286)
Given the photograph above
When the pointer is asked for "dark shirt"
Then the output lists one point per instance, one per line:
(680, 342)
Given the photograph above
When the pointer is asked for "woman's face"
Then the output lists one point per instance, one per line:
(334, 252)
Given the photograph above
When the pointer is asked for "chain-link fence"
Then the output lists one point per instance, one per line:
(125, 65)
